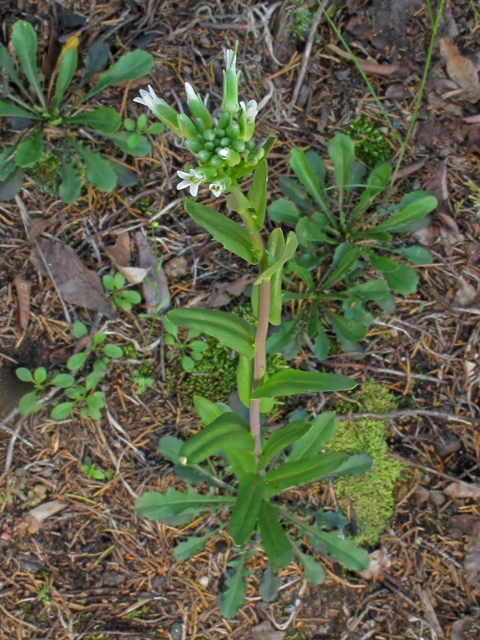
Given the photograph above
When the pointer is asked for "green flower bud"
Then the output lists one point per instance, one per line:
(224, 120)
(201, 140)
(220, 133)
(200, 124)
(238, 145)
(246, 119)
(260, 153)
(187, 128)
(210, 146)
(194, 146)
(250, 145)
(160, 109)
(230, 82)
(208, 173)
(196, 106)
(225, 142)
(204, 156)
(230, 156)
(233, 131)
(253, 161)
(216, 161)
(209, 135)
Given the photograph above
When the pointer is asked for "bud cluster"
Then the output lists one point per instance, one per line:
(221, 148)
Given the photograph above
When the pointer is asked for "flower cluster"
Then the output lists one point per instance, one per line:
(223, 148)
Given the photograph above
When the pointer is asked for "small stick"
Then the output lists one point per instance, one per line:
(411, 412)
(306, 54)
(422, 467)
(11, 445)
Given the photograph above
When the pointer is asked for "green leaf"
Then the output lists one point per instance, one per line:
(63, 380)
(344, 267)
(232, 599)
(380, 236)
(97, 57)
(270, 584)
(62, 410)
(99, 170)
(355, 465)
(92, 380)
(132, 65)
(132, 296)
(417, 255)
(297, 193)
(76, 361)
(199, 346)
(95, 401)
(99, 338)
(241, 462)
(274, 539)
(283, 210)
(342, 152)
(24, 41)
(12, 111)
(276, 248)
(159, 506)
(191, 546)
(258, 194)
(290, 382)
(70, 187)
(156, 128)
(105, 120)
(403, 280)
(308, 177)
(28, 404)
(317, 166)
(414, 211)
(40, 375)
(313, 321)
(321, 345)
(288, 338)
(229, 329)
(244, 379)
(287, 253)
(377, 180)
(6, 62)
(245, 512)
(119, 280)
(321, 431)
(230, 234)
(170, 447)
(121, 138)
(207, 410)
(187, 363)
(30, 151)
(112, 351)
(108, 282)
(281, 439)
(312, 570)
(66, 71)
(353, 557)
(24, 374)
(292, 474)
(349, 329)
(228, 430)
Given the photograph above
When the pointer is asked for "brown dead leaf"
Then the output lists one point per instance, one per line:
(456, 490)
(224, 292)
(437, 187)
(160, 292)
(359, 27)
(472, 119)
(413, 168)
(23, 302)
(265, 631)
(466, 296)
(119, 254)
(428, 235)
(461, 70)
(431, 616)
(472, 559)
(464, 524)
(36, 227)
(473, 252)
(380, 561)
(77, 284)
(385, 70)
(46, 510)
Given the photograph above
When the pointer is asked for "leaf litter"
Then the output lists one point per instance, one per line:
(159, 293)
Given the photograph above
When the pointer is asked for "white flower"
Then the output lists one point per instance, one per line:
(219, 185)
(223, 153)
(230, 59)
(190, 91)
(191, 181)
(149, 99)
(250, 109)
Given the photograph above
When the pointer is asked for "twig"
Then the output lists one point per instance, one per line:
(306, 54)
(411, 412)
(3, 426)
(393, 372)
(11, 445)
(441, 474)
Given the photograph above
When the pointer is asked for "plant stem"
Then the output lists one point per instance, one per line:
(260, 362)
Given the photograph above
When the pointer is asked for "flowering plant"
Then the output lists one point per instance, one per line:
(259, 462)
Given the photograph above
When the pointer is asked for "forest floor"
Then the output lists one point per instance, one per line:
(94, 570)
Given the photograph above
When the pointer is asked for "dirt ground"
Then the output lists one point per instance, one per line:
(95, 570)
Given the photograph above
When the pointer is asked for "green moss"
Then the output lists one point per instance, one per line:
(371, 147)
(372, 494)
(45, 173)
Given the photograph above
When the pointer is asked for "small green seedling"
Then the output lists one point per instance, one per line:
(39, 379)
(192, 350)
(141, 381)
(42, 595)
(121, 298)
(91, 471)
(137, 131)
(103, 352)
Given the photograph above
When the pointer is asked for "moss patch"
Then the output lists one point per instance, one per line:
(372, 494)
(371, 147)
(46, 172)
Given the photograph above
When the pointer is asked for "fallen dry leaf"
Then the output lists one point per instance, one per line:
(385, 70)
(265, 631)
(429, 234)
(472, 119)
(224, 292)
(466, 295)
(119, 254)
(36, 227)
(437, 186)
(431, 616)
(160, 292)
(472, 559)
(457, 490)
(473, 252)
(46, 510)
(413, 168)
(23, 302)
(461, 70)
(380, 561)
(76, 284)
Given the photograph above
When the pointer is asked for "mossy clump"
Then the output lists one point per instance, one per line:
(371, 147)
(46, 172)
(302, 18)
(371, 495)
